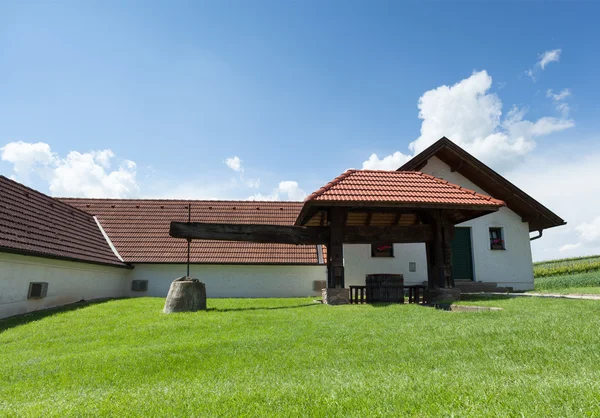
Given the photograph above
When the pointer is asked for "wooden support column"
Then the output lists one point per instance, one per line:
(448, 233)
(438, 249)
(430, 265)
(335, 248)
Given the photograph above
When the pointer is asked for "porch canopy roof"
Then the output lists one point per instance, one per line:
(367, 206)
(371, 205)
(388, 198)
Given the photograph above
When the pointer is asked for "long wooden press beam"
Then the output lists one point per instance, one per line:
(299, 234)
(250, 232)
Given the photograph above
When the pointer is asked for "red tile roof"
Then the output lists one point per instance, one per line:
(408, 187)
(139, 229)
(36, 224)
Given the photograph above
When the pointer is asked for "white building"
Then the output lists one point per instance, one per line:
(54, 252)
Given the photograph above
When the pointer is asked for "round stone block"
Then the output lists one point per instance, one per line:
(186, 294)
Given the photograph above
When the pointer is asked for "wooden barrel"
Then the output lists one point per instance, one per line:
(385, 288)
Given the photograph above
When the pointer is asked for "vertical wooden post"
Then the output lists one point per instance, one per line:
(430, 265)
(438, 248)
(448, 236)
(335, 249)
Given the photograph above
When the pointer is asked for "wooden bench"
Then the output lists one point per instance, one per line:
(416, 293)
(358, 294)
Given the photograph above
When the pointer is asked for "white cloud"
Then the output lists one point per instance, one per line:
(544, 59)
(564, 109)
(287, 190)
(390, 162)
(85, 175)
(531, 74)
(291, 189)
(548, 57)
(103, 157)
(234, 163)
(76, 175)
(558, 96)
(27, 158)
(471, 116)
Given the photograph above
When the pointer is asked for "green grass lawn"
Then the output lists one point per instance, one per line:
(290, 357)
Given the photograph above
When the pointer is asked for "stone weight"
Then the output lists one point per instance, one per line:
(186, 294)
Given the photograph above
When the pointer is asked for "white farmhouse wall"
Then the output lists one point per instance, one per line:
(232, 281)
(358, 263)
(68, 282)
(511, 267)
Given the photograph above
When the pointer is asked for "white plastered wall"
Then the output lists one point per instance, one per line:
(232, 281)
(68, 282)
(358, 263)
(511, 267)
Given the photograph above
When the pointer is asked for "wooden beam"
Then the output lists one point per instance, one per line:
(438, 249)
(369, 217)
(300, 234)
(430, 265)
(335, 248)
(396, 234)
(250, 232)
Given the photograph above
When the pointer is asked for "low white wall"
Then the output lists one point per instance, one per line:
(232, 281)
(511, 267)
(358, 263)
(68, 282)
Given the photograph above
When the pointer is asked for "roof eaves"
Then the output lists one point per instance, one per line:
(58, 257)
(418, 160)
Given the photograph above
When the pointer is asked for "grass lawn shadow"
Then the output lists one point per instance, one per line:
(484, 297)
(383, 304)
(263, 308)
(18, 320)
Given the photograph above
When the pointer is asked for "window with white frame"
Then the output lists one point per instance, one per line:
(496, 238)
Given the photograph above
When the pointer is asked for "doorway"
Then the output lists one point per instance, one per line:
(462, 254)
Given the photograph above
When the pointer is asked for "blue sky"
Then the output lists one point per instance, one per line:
(298, 92)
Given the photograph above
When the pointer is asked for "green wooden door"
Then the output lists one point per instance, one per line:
(462, 255)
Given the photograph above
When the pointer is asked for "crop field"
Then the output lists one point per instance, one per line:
(566, 266)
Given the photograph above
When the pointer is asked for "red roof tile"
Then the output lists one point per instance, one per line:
(36, 224)
(408, 187)
(139, 229)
